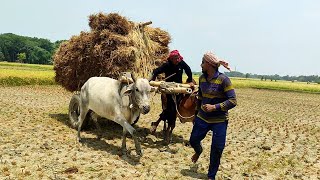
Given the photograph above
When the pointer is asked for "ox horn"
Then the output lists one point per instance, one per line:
(133, 77)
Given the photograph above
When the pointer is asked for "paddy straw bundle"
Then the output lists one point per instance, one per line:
(113, 45)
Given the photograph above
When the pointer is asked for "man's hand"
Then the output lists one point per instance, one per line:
(209, 107)
(191, 85)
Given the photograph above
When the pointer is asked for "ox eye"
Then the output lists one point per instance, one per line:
(137, 89)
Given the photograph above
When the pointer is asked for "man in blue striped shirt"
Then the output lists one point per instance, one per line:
(216, 96)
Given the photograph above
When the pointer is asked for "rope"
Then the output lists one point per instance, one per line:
(175, 102)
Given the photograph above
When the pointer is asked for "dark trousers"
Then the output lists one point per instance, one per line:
(219, 131)
(170, 112)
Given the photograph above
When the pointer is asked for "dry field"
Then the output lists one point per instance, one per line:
(271, 135)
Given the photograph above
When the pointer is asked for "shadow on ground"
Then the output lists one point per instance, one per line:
(112, 130)
(193, 172)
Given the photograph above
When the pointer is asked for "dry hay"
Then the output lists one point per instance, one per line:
(113, 45)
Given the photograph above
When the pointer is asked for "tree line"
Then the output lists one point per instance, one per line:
(302, 78)
(15, 48)
(312, 78)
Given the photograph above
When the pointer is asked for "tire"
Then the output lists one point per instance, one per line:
(74, 112)
(135, 121)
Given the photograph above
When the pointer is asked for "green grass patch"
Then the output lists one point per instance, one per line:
(18, 81)
(17, 74)
(10, 65)
(276, 85)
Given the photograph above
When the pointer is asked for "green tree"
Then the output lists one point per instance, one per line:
(21, 57)
(58, 43)
(247, 75)
(234, 74)
(40, 56)
(2, 58)
(37, 50)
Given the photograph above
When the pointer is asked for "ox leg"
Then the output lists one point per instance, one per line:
(164, 129)
(137, 144)
(124, 145)
(132, 132)
(81, 118)
(94, 117)
(136, 141)
(169, 134)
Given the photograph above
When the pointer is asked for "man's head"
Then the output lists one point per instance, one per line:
(207, 66)
(210, 60)
(175, 57)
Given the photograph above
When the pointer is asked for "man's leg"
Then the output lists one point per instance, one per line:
(154, 125)
(162, 116)
(171, 117)
(219, 132)
(199, 131)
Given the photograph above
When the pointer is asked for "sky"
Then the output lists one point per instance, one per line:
(255, 36)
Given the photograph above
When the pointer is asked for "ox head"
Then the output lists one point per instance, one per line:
(140, 92)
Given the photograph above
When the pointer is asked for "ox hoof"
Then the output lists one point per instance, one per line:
(79, 140)
(124, 152)
(168, 140)
(99, 137)
(139, 152)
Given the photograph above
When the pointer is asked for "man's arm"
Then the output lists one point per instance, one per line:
(158, 71)
(199, 100)
(187, 70)
(230, 93)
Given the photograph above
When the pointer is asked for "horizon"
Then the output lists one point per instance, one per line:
(255, 36)
(199, 72)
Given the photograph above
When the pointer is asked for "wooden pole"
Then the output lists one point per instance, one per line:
(142, 25)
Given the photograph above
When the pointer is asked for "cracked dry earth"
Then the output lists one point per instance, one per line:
(271, 135)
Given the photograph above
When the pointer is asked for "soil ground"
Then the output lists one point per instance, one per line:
(271, 135)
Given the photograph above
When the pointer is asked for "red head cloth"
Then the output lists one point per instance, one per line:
(175, 53)
(215, 61)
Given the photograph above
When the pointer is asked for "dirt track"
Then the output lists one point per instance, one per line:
(271, 135)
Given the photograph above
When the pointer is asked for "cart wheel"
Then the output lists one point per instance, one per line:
(74, 112)
(134, 122)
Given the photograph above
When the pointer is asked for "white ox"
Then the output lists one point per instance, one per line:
(108, 98)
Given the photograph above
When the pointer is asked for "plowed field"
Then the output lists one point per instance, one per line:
(271, 135)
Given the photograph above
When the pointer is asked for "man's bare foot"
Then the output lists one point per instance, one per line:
(195, 157)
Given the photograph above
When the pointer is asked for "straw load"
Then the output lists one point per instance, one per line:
(113, 45)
